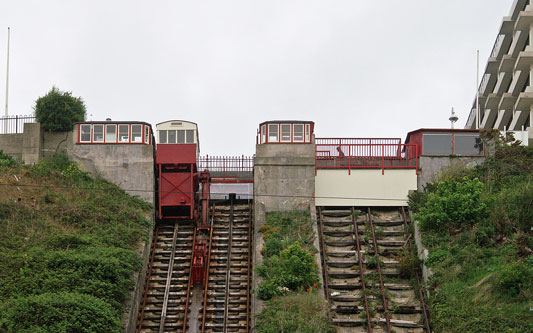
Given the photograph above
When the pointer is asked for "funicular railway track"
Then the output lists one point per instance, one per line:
(226, 305)
(368, 295)
(165, 296)
(171, 303)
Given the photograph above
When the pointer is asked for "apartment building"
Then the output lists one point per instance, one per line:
(505, 95)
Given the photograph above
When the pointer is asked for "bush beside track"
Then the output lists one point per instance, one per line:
(290, 277)
(68, 247)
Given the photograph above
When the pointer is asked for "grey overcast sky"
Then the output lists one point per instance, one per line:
(356, 68)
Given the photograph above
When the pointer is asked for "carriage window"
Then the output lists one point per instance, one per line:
(171, 136)
(162, 136)
(298, 132)
(190, 136)
(124, 133)
(136, 133)
(85, 133)
(286, 132)
(110, 133)
(437, 144)
(146, 134)
(273, 133)
(263, 134)
(468, 144)
(98, 133)
(307, 133)
(181, 136)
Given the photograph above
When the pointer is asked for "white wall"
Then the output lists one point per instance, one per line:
(364, 187)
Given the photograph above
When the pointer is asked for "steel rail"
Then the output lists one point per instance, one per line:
(248, 282)
(169, 279)
(206, 279)
(187, 300)
(361, 271)
(324, 258)
(420, 290)
(376, 253)
(146, 288)
(228, 267)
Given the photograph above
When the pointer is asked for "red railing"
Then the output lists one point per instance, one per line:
(366, 156)
(357, 141)
(14, 124)
(227, 167)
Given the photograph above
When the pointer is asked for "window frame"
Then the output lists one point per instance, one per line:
(294, 131)
(140, 136)
(80, 129)
(307, 133)
(106, 133)
(129, 133)
(282, 137)
(276, 126)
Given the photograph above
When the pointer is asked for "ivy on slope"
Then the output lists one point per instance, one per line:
(478, 226)
(68, 248)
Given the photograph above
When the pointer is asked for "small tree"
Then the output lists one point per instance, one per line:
(58, 110)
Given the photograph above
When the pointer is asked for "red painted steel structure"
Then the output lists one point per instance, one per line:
(365, 156)
(178, 180)
(198, 263)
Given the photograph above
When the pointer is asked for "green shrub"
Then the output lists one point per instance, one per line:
(58, 312)
(299, 313)
(58, 110)
(409, 264)
(435, 257)
(453, 204)
(513, 277)
(6, 160)
(293, 269)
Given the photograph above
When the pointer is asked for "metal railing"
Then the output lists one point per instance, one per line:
(14, 124)
(227, 166)
(353, 141)
(366, 156)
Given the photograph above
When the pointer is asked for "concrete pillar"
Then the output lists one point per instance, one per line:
(31, 143)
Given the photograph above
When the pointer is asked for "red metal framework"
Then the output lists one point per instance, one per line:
(357, 141)
(382, 156)
(178, 180)
(228, 169)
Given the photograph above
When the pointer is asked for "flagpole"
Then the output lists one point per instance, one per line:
(7, 79)
(478, 113)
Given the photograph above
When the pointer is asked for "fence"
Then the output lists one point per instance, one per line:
(14, 124)
(366, 156)
(227, 167)
(357, 141)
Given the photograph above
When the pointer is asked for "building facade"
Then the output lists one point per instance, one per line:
(505, 95)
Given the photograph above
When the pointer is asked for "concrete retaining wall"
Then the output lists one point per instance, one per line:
(364, 187)
(284, 176)
(431, 166)
(11, 144)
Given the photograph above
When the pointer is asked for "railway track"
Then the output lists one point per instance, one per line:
(226, 306)
(368, 295)
(165, 295)
(171, 303)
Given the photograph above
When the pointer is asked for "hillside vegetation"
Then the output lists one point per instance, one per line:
(478, 226)
(290, 277)
(68, 248)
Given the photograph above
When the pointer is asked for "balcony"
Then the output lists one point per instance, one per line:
(524, 20)
(493, 101)
(507, 102)
(524, 101)
(524, 61)
(507, 64)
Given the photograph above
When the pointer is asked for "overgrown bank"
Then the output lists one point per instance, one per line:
(477, 224)
(290, 277)
(68, 248)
